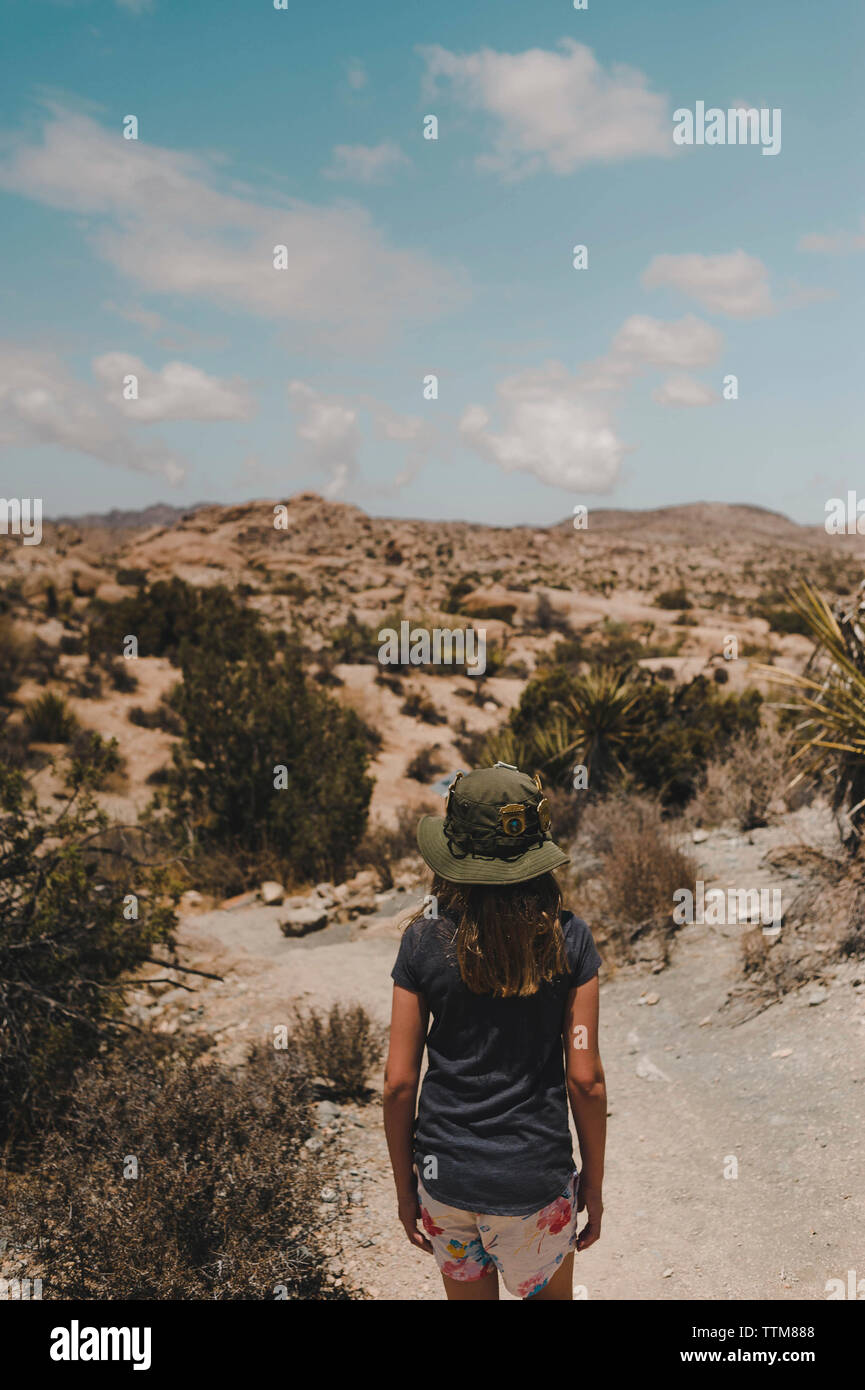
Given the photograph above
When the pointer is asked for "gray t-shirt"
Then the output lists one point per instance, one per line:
(493, 1109)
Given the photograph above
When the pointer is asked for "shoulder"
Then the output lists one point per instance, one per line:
(424, 934)
(580, 947)
(574, 929)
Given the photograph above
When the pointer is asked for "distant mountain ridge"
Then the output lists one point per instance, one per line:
(157, 514)
(685, 517)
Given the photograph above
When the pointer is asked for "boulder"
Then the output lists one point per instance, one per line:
(300, 920)
(240, 900)
(271, 892)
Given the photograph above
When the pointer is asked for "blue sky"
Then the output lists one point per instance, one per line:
(153, 258)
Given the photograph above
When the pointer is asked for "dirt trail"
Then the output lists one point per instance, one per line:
(690, 1088)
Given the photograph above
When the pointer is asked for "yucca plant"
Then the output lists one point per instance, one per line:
(503, 745)
(593, 726)
(830, 698)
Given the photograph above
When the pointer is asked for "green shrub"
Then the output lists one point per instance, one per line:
(162, 717)
(629, 727)
(673, 598)
(353, 643)
(247, 712)
(131, 578)
(12, 658)
(417, 705)
(65, 943)
(426, 764)
(168, 616)
(49, 719)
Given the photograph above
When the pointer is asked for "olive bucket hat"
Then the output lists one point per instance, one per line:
(496, 829)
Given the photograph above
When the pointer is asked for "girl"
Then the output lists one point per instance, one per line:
(487, 1166)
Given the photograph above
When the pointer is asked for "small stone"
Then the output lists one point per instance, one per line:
(326, 1111)
(818, 995)
(651, 999)
(666, 1274)
(314, 1145)
(699, 836)
(356, 1197)
(783, 1052)
(647, 1071)
(704, 1022)
(329, 1194)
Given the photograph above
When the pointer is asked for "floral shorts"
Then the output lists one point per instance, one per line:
(526, 1250)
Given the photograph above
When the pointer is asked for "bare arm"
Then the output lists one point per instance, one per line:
(408, 1027)
(587, 1092)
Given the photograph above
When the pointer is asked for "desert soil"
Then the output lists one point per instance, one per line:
(698, 1075)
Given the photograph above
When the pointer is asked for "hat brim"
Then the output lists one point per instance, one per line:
(540, 859)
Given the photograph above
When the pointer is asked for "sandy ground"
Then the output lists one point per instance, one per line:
(694, 1083)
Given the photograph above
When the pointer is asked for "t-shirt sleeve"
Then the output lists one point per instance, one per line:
(582, 952)
(404, 972)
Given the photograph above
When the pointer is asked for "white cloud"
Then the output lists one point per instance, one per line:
(684, 342)
(643, 342)
(555, 109)
(161, 221)
(550, 429)
(833, 243)
(366, 163)
(330, 432)
(41, 403)
(178, 391)
(735, 284)
(684, 391)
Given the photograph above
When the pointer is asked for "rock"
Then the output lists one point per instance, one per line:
(365, 882)
(241, 900)
(329, 1194)
(314, 1145)
(647, 1071)
(362, 905)
(190, 900)
(356, 1197)
(699, 836)
(704, 1022)
(326, 1111)
(818, 995)
(666, 1274)
(300, 920)
(651, 999)
(271, 892)
(783, 1052)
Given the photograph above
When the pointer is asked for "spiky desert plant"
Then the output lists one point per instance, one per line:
(830, 697)
(593, 725)
(503, 745)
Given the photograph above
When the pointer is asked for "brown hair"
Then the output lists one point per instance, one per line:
(509, 938)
